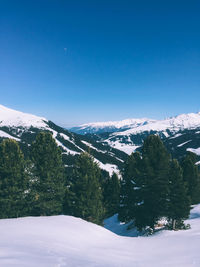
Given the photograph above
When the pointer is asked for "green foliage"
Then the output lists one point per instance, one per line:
(155, 181)
(131, 183)
(111, 194)
(178, 200)
(84, 195)
(152, 187)
(47, 183)
(191, 177)
(13, 180)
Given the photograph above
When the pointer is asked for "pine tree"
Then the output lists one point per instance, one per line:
(48, 182)
(155, 181)
(191, 177)
(13, 180)
(111, 195)
(130, 196)
(84, 195)
(178, 200)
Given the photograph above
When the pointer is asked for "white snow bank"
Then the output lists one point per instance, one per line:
(60, 241)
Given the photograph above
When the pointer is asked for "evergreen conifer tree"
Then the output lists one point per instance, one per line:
(13, 180)
(48, 182)
(84, 195)
(155, 181)
(111, 195)
(130, 196)
(178, 200)
(191, 177)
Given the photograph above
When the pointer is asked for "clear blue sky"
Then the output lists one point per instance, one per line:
(83, 61)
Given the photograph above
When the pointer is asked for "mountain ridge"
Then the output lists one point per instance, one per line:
(23, 127)
(181, 121)
(109, 149)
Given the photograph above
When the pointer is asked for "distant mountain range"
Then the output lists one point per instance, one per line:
(110, 126)
(108, 142)
(132, 126)
(180, 133)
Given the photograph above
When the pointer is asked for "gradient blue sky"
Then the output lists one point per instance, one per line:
(83, 61)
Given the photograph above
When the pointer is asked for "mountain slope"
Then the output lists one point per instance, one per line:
(110, 126)
(24, 127)
(69, 241)
(133, 126)
(13, 118)
(180, 134)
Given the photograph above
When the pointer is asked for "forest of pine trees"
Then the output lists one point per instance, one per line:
(153, 185)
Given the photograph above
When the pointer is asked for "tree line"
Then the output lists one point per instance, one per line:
(40, 185)
(153, 185)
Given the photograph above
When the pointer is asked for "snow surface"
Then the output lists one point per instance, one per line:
(119, 228)
(184, 143)
(115, 124)
(65, 241)
(174, 124)
(110, 168)
(6, 135)
(127, 148)
(91, 146)
(10, 118)
(194, 150)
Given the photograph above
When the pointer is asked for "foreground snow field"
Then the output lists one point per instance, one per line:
(67, 241)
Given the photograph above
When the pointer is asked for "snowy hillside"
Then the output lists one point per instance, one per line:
(180, 134)
(133, 126)
(110, 126)
(24, 127)
(68, 241)
(174, 124)
(13, 118)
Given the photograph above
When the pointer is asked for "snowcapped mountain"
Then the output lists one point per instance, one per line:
(180, 133)
(174, 124)
(110, 126)
(132, 126)
(110, 149)
(24, 127)
(13, 118)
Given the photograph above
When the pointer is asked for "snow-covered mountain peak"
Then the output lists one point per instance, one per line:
(111, 126)
(174, 124)
(10, 118)
(117, 124)
(133, 126)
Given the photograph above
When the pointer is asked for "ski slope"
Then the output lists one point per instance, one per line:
(60, 241)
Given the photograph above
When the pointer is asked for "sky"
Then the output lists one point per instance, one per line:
(81, 61)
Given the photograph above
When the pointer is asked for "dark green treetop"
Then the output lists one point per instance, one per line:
(178, 200)
(48, 183)
(84, 195)
(13, 180)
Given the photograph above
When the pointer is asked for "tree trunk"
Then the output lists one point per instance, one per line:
(174, 224)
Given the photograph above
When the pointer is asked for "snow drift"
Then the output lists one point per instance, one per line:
(68, 241)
